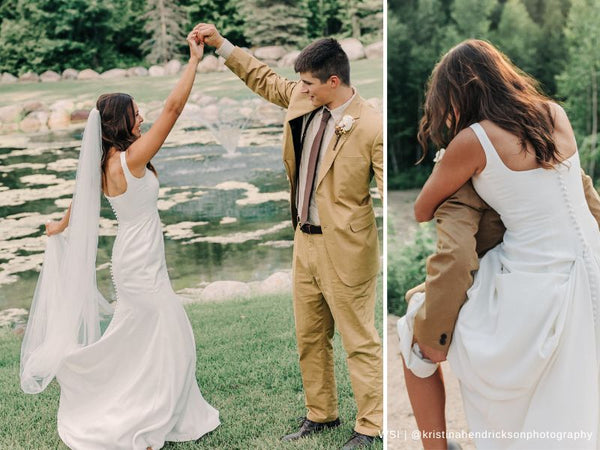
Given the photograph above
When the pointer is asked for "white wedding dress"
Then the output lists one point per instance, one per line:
(526, 343)
(136, 387)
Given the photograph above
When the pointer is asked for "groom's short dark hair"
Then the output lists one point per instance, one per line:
(324, 58)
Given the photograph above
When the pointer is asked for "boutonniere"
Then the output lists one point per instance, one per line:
(439, 155)
(344, 126)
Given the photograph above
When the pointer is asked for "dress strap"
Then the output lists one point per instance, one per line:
(491, 155)
(126, 171)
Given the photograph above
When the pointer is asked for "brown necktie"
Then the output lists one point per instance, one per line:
(312, 165)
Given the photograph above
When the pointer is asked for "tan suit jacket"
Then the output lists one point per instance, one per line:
(466, 228)
(351, 160)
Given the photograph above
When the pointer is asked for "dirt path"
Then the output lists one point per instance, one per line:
(401, 422)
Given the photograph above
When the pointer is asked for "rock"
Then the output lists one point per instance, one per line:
(353, 48)
(138, 71)
(88, 74)
(277, 283)
(223, 290)
(19, 330)
(374, 50)
(156, 71)
(226, 101)
(202, 99)
(289, 59)
(35, 121)
(271, 52)
(7, 128)
(59, 119)
(10, 113)
(8, 78)
(270, 114)
(209, 63)
(70, 74)
(32, 106)
(222, 66)
(270, 62)
(13, 315)
(49, 76)
(80, 115)
(172, 67)
(113, 74)
(29, 76)
(63, 104)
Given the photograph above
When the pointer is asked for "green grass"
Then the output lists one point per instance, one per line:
(367, 76)
(247, 368)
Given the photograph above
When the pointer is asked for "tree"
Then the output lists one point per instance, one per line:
(165, 23)
(275, 22)
(323, 18)
(518, 36)
(470, 20)
(226, 15)
(579, 81)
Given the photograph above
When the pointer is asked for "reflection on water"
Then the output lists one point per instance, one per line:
(225, 218)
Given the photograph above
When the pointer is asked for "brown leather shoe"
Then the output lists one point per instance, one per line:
(309, 427)
(358, 440)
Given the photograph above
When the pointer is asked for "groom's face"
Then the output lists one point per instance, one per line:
(318, 92)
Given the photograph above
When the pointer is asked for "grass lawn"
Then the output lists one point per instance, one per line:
(247, 368)
(367, 76)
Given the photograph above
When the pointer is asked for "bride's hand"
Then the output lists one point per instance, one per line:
(53, 227)
(196, 45)
(432, 354)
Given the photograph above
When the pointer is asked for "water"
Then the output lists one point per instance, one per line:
(224, 218)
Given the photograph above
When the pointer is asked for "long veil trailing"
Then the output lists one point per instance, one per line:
(66, 306)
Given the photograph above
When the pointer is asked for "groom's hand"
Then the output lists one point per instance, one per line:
(209, 35)
(432, 354)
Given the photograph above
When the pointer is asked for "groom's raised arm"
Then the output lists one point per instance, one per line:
(257, 75)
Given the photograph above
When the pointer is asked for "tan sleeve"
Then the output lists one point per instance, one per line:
(377, 162)
(450, 268)
(591, 196)
(261, 78)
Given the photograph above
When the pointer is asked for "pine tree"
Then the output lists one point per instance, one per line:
(579, 82)
(165, 23)
(275, 22)
(471, 19)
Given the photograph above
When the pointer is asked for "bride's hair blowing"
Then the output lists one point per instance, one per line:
(474, 81)
(117, 115)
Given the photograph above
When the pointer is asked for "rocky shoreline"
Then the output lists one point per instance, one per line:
(217, 291)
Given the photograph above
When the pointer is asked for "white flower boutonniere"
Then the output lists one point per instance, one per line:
(439, 155)
(344, 125)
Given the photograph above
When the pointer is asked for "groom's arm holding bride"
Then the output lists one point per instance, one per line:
(466, 228)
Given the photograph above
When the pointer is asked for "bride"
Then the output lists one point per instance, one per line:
(526, 345)
(134, 387)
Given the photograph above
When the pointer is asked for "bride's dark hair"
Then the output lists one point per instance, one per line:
(117, 115)
(474, 81)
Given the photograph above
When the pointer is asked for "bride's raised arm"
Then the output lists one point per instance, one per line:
(463, 158)
(143, 149)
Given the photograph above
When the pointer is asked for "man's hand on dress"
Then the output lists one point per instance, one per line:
(208, 34)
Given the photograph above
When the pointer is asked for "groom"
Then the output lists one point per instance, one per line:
(332, 147)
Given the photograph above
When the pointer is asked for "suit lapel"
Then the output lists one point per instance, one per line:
(292, 153)
(336, 143)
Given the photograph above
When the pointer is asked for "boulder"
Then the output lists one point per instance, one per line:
(69, 105)
(138, 71)
(156, 71)
(32, 106)
(270, 114)
(13, 315)
(226, 101)
(172, 67)
(353, 48)
(10, 113)
(289, 59)
(88, 74)
(277, 283)
(29, 76)
(8, 128)
(8, 78)
(70, 74)
(202, 99)
(49, 76)
(271, 52)
(59, 119)
(223, 290)
(209, 63)
(35, 121)
(80, 115)
(374, 51)
(222, 66)
(113, 74)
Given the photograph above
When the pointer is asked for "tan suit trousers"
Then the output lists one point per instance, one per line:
(322, 300)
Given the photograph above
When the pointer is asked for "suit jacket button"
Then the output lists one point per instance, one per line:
(443, 338)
